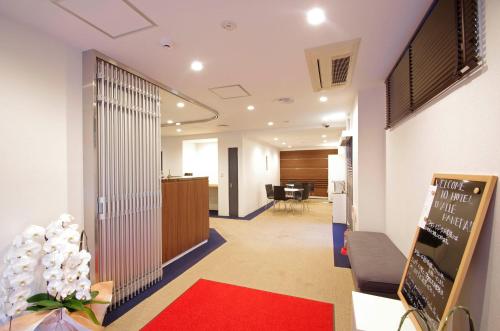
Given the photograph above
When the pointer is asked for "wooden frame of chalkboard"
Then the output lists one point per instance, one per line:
(434, 276)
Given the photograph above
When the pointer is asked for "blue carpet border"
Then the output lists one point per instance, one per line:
(249, 217)
(339, 260)
(170, 272)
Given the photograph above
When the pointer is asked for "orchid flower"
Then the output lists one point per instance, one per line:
(53, 274)
(66, 219)
(53, 260)
(34, 232)
(20, 294)
(30, 248)
(24, 264)
(54, 287)
(16, 308)
(21, 280)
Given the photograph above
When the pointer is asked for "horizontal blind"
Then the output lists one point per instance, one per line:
(399, 103)
(435, 53)
(469, 31)
(444, 48)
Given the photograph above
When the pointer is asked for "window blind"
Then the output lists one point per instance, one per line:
(443, 49)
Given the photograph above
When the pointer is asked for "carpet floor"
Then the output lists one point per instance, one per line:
(209, 305)
(277, 251)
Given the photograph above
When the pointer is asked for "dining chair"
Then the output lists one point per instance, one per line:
(279, 195)
(270, 192)
(305, 196)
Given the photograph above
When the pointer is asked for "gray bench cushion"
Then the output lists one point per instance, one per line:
(377, 264)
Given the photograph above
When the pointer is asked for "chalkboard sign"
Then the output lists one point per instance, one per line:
(443, 245)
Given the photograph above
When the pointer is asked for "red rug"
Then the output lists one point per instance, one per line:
(209, 305)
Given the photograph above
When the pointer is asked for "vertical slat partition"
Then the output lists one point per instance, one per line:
(128, 250)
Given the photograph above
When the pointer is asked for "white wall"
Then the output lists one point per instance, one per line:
(255, 175)
(368, 123)
(172, 159)
(252, 175)
(201, 158)
(40, 130)
(457, 134)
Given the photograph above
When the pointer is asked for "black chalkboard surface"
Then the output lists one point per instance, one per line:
(442, 250)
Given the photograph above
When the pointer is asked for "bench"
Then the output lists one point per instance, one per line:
(377, 264)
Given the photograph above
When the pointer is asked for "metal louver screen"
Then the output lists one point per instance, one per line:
(340, 69)
(128, 232)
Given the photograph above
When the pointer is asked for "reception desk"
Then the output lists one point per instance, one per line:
(184, 215)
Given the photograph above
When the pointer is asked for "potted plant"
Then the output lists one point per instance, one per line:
(65, 273)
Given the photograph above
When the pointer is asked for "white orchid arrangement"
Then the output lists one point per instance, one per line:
(65, 271)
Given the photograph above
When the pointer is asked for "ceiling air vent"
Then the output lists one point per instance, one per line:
(332, 66)
(340, 69)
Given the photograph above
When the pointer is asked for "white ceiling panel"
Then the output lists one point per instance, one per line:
(114, 18)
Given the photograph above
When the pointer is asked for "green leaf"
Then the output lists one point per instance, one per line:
(91, 315)
(99, 302)
(74, 304)
(39, 297)
(38, 308)
(94, 294)
(50, 304)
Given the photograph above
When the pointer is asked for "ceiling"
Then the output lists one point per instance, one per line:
(293, 139)
(264, 54)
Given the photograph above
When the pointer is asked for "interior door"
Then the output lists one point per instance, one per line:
(233, 181)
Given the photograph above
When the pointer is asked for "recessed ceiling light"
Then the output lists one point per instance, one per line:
(283, 143)
(179, 130)
(180, 104)
(323, 136)
(289, 146)
(316, 16)
(196, 66)
(270, 123)
(275, 139)
(250, 107)
(170, 122)
(178, 123)
(323, 99)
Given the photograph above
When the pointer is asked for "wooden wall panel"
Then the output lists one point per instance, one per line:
(306, 166)
(184, 215)
(309, 154)
(304, 163)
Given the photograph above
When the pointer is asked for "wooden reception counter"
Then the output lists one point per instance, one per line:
(184, 215)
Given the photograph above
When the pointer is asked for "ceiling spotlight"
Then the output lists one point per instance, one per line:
(250, 107)
(323, 136)
(179, 130)
(170, 122)
(180, 104)
(289, 146)
(316, 16)
(196, 66)
(178, 123)
(275, 139)
(323, 99)
(270, 123)
(283, 143)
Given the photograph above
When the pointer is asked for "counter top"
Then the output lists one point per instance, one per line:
(181, 178)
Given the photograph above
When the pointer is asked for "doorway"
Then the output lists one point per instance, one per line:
(233, 181)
